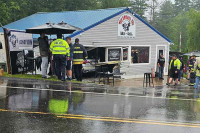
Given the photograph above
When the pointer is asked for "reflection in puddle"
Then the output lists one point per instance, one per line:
(74, 99)
(57, 102)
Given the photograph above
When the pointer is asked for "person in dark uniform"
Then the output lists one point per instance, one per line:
(197, 71)
(191, 71)
(181, 69)
(79, 56)
(134, 55)
(174, 68)
(161, 65)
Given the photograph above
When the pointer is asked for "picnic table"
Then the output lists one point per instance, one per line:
(105, 70)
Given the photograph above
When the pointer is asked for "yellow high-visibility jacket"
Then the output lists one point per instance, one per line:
(197, 66)
(60, 46)
(177, 64)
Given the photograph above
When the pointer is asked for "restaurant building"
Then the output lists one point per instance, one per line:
(115, 34)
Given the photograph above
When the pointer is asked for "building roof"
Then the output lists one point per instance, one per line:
(84, 19)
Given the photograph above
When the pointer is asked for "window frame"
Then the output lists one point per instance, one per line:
(106, 53)
(123, 54)
(130, 48)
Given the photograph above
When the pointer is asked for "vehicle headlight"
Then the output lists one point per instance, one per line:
(92, 63)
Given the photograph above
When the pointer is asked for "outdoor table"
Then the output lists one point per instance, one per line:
(104, 70)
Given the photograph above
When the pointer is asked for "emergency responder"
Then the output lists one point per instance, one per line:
(161, 65)
(60, 51)
(44, 52)
(181, 69)
(191, 71)
(174, 68)
(70, 59)
(79, 56)
(197, 70)
(188, 72)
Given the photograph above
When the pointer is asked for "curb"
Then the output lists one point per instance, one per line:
(46, 81)
(29, 79)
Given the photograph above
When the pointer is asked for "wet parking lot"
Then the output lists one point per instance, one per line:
(53, 107)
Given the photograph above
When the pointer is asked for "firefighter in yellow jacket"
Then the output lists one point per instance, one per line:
(174, 69)
(79, 56)
(60, 50)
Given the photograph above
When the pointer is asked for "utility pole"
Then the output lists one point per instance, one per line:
(153, 11)
(7, 50)
(180, 42)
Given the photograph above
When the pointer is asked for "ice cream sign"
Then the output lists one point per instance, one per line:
(126, 26)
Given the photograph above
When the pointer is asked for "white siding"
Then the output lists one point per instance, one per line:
(2, 51)
(106, 35)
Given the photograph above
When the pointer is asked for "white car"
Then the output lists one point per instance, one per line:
(90, 66)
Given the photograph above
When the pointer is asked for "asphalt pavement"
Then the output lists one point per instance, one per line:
(56, 107)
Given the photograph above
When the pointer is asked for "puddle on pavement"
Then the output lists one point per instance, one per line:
(182, 92)
(73, 99)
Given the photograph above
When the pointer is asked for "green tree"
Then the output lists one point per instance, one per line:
(13, 10)
(177, 25)
(193, 28)
(182, 5)
(165, 16)
(139, 7)
(81, 4)
(4, 15)
(196, 4)
(171, 25)
(114, 3)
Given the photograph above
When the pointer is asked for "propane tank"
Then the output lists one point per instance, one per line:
(153, 72)
(1, 72)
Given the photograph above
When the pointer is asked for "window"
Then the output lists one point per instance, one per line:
(139, 55)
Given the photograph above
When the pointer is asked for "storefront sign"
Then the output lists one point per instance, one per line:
(19, 41)
(126, 26)
(114, 54)
(20, 48)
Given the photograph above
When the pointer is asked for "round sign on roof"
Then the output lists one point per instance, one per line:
(126, 26)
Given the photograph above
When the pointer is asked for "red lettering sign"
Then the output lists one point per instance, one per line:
(132, 22)
(126, 17)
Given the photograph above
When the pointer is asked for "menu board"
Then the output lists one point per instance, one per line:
(114, 54)
(19, 41)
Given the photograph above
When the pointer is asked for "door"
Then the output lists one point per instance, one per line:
(162, 50)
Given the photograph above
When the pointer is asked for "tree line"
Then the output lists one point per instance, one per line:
(12, 10)
(171, 19)
(181, 17)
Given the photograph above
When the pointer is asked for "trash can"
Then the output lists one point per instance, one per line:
(3, 66)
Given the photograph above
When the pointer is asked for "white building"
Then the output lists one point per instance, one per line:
(116, 33)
